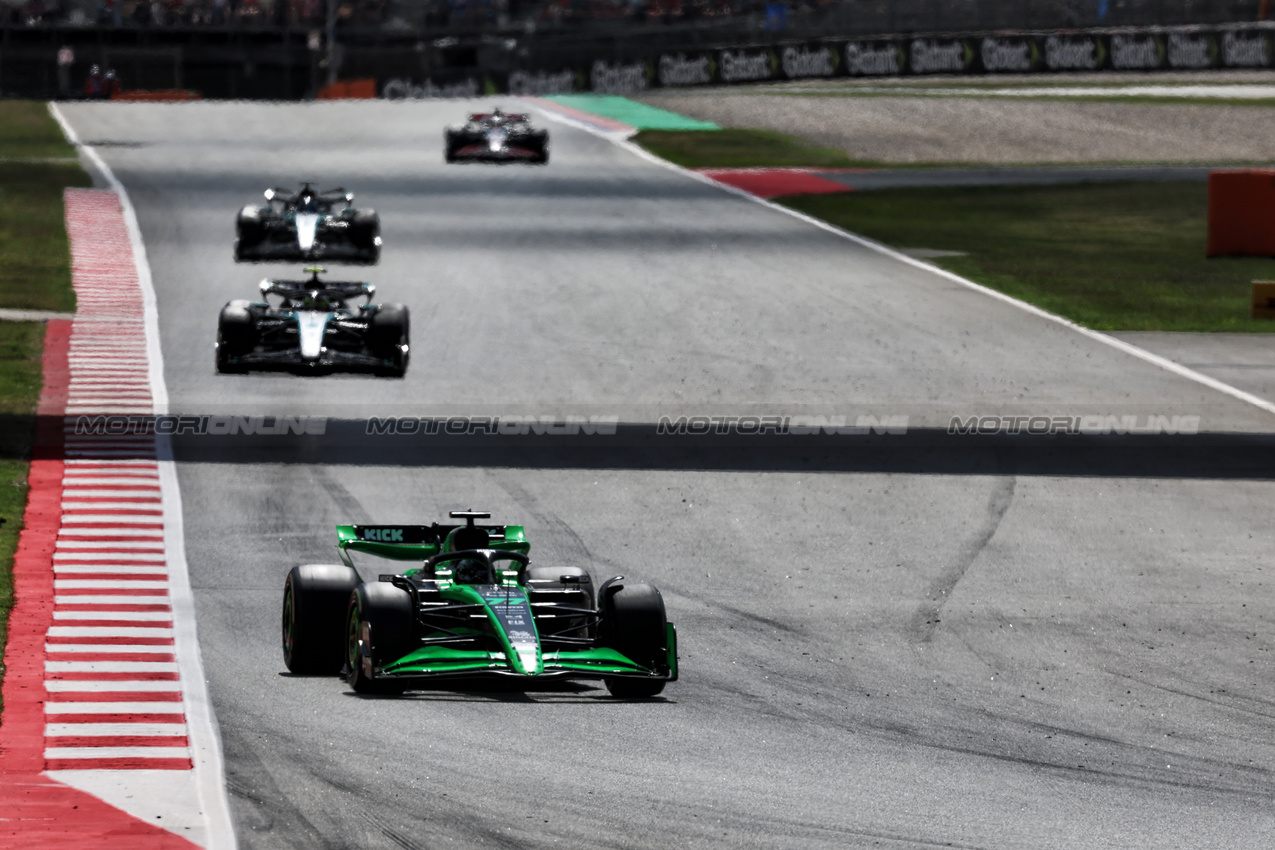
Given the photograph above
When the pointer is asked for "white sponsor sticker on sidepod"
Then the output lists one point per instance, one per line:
(311, 324)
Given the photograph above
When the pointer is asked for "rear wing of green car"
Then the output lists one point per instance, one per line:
(418, 542)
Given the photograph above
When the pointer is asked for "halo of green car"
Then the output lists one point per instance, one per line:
(471, 607)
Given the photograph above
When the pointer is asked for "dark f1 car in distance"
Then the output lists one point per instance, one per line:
(307, 225)
(313, 329)
(496, 137)
(471, 606)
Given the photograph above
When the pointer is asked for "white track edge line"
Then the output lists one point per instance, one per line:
(1164, 363)
(205, 740)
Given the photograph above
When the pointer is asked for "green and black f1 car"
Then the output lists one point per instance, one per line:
(472, 606)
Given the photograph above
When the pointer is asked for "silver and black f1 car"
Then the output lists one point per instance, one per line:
(307, 225)
(496, 137)
(312, 329)
(470, 606)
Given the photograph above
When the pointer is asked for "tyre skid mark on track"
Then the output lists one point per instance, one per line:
(342, 497)
(269, 807)
(1109, 776)
(926, 620)
(392, 834)
(558, 528)
(1231, 705)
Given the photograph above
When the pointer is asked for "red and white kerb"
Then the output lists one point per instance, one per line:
(114, 691)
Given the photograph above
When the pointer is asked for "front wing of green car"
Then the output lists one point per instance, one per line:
(598, 663)
(509, 619)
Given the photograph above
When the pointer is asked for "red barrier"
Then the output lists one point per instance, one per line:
(158, 96)
(1242, 213)
(348, 90)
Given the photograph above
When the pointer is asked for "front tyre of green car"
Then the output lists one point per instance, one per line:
(378, 631)
(634, 688)
(634, 624)
(314, 600)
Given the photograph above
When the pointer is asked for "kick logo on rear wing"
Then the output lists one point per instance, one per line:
(417, 542)
(408, 534)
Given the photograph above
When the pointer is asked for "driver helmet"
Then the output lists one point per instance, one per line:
(471, 571)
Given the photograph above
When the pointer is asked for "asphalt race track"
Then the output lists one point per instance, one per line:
(910, 655)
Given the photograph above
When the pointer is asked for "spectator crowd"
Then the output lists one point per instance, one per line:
(391, 14)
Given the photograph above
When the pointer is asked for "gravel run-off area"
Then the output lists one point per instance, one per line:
(918, 129)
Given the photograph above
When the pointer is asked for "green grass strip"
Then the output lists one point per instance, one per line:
(21, 344)
(743, 149)
(36, 165)
(35, 262)
(1112, 256)
(639, 116)
(28, 131)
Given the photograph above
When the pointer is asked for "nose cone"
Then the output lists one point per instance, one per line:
(311, 325)
(307, 226)
(527, 657)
